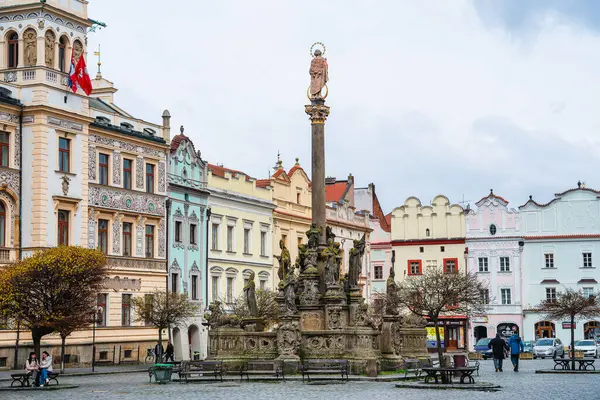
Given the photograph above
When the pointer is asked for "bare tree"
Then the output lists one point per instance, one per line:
(436, 293)
(570, 304)
(162, 310)
(266, 300)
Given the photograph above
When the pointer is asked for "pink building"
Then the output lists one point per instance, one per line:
(495, 248)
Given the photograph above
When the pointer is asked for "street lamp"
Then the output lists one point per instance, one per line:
(94, 322)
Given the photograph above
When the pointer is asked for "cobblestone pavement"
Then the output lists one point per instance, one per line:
(523, 385)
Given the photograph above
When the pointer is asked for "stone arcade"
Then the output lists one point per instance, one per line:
(321, 315)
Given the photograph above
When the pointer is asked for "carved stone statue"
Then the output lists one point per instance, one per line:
(333, 259)
(355, 268)
(345, 283)
(250, 293)
(50, 46)
(301, 259)
(314, 236)
(319, 74)
(289, 292)
(30, 39)
(77, 50)
(285, 261)
(391, 294)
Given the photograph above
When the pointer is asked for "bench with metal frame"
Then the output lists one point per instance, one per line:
(584, 363)
(262, 367)
(23, 378)
(325, 366)
(466, 373)
(201, 368)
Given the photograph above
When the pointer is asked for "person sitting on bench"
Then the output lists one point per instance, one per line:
(45, 367)
(32, 367)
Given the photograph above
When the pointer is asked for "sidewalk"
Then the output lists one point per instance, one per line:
(100, 370)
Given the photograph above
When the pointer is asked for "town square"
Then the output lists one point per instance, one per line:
(268, 199)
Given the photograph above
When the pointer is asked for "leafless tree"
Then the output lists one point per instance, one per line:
(570, 304)
(436, 293)
(266, 300)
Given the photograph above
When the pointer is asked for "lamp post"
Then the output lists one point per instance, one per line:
(95, 320)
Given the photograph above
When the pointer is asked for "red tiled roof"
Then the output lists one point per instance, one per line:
(549, 281)
(378, 212)
(579, 188)
(262, 183)
(176, 141)
(589, 280)
(557, 196)
(576, 236)
(335, 191)
(294, 169)
(388, 219)
(219, 171)
(492, 196)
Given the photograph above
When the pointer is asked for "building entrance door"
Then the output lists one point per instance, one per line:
(452, 337)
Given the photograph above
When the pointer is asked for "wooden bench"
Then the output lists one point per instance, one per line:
(262, 367)
(317, 367)
(201, 368)
(466, 373)
(23, 379)
(416, 365)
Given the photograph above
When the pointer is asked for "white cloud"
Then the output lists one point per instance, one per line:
(425, 98)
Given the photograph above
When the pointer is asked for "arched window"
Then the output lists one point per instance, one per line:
(427, 233)
(2, 225)
(62, 54)
(13, 50)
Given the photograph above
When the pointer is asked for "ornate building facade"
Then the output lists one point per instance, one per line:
(495, 249)
(91, 174)
(240, 234)
(432, 236)
(187, 244)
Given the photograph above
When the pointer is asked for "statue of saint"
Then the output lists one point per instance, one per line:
(250, 293)
(332, 257)
(314, 236)
(289, 292)
(355, 268)
(285, 261)
(50, 45)
(30, 38)
(318, 74)
(391, 294)
(301, 259)
(77, 50)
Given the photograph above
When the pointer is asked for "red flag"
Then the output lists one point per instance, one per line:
(82, 76)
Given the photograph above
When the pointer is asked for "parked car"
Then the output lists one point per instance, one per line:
(481, 347)
(548, 348)
(528, 346)
(588, 347)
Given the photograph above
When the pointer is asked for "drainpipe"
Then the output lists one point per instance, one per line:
(168, 211)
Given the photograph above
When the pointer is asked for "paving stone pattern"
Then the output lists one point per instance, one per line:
(524, 385)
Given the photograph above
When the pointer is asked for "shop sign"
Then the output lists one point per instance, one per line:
(567, 325)
(431, 337)
(507, 330)
(480, 320)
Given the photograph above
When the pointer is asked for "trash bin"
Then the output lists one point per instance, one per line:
(196, 356)
(162, 372)
(460, 360)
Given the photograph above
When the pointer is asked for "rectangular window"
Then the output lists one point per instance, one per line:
(64, 154)
(284, 240)
(215, 237)
(483, 264)
(485, 296)
(102, 311)
(174, 283)
(415, 267)
(63, 228)
(148, 305)
(215, 288)
(103, 236)
(551, 294)
(126, 310)
(103, 169)
(297, 198)
(450, 265)
(549, 260)
(62, 55)
(299, 241)
(378, 272)
(193, 234)
(263, 244)
(421, 250)
(247, 248)
(127, 173)
(442, 249)
(194, 287)
(178, 231)
(504, 264)
(263, 284)
(4, 149)
(505, 294)
(149, 241)
(229, 290)
(127, 228)
(13, 50)
(149, 178)
(587, 260)
(229, 238)
(588, 292)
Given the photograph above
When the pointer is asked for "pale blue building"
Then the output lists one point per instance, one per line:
(187, 216)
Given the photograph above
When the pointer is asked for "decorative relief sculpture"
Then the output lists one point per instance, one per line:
(250, 295)
(17, 158)
(284, 261)
(139, 236)
(30, 41)
(91, 162)
(319, 74)
(325, 344)
(117, 168)
(118, 283)
(117, 223)
(65, 184)
(50, 40)
(161, 238)
(139, 172)
(119, 199)
(355, 268)
(309, 293)
(92, 218)
(334, 317)
(288, 338)
(77, 50)
(161, 177)
(10, 179)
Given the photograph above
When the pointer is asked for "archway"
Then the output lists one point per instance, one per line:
(194, 342)
(591, 330)
(544, 329)
(480, 332)
(177, 343)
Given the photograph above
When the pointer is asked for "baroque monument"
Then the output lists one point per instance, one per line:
(320, 314)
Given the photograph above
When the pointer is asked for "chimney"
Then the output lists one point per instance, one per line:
(166, 117)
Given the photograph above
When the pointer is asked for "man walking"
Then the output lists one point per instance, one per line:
(498, 346)
(159, 351)
(169, 352)
(516, 348)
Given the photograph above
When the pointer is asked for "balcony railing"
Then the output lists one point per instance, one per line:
(7, 255)
(179, 180)
(30, 75)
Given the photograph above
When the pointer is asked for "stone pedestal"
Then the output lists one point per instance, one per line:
(253, 324)
(355, 303)
(289, 340)
(308, 293)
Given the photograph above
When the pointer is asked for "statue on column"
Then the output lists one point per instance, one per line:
(284, 261)
(355, 268)
(333, 259)
(250, 293)
(319, 74)
(289, 291)
(391, 294)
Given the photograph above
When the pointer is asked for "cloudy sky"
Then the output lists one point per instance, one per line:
(427, 97)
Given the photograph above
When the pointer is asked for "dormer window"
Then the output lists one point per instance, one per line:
(149, 131)
(102, 120)
(127, 126)
(13, 50)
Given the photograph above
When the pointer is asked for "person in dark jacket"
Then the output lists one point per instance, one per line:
(499, 347)
(516, 348)
(159, 352)
(169, 352)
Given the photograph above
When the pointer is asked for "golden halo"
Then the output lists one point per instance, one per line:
(324, 97)
(318, 44)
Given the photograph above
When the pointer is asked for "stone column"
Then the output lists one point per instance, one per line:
(318, 113)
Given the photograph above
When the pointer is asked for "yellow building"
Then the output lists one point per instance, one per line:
(431, 236)
(240, 234)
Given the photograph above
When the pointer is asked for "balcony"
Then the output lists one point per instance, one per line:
(8, 255)
(36, 75)
(136, 264)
